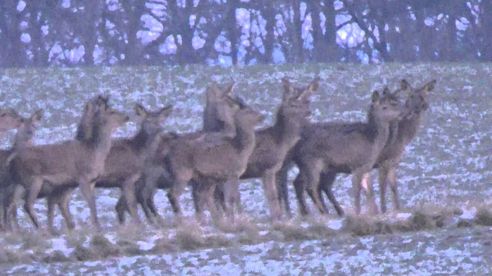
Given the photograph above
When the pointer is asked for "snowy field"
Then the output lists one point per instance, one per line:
(445, 178)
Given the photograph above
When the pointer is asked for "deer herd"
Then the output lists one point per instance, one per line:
(213, 161)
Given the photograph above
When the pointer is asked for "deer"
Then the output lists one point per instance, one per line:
(329, 148)
(211, 163)
(220, 106)
(125, 163)
(23, 138)
(55, 195)
(273, 143)
(401, 134)
(63, 165)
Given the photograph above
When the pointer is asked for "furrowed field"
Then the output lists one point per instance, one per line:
(445, 178)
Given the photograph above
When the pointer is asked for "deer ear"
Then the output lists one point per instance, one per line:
(286, 83)
(165, 111)
(140, 110)
(229, 88)
(314, 85)
(386, 91)
(430, 86)
(37, 115)
(375, 97)
(404, 85)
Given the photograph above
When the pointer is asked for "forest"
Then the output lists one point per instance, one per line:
(40, 33)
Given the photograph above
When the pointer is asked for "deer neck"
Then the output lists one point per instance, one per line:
(141, 139)
(100, 143)
(378, 132)
(286, 130)
(83, 131)
(407, 128)
(245, 139)
(21, 142)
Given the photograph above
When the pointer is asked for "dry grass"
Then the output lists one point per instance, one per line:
(82, 253)
(33, 240)
(164, 245)
(484, 216)
(103, 247)
(292, 231)
(56, 257)
(189, 236)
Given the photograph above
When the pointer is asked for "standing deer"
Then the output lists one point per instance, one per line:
(273, 143)
(23, 138)
(329, 148)
(59, 194)
(210, 163)
(220, 106)
(125, 163)
(78, 162)
(401, 134)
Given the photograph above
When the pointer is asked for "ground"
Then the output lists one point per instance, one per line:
(445, 177)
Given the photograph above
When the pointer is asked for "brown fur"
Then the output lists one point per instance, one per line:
(23, 138)
(67, 163)
(60, 194)
(125, 163)
(220, 107)
(212, 163)
(328, 148)
(273, 143)
(401, 133)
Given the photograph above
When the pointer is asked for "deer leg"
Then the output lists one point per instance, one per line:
(394, 187)
(312, 188)
(173, 196)
(65, 209)
(51, 201)
(357, 189)
(140, 198)
(30, 197)
(121, 208)
(299, 183)
(129, 192)
(208, 197)
(230, 195)
(10, 205)
(281, 178)
(87, 189)
(327, 180)
(199, 200)
(145, 196)
(270, 188)
(383, 184)
(220, 198)
(369, 190)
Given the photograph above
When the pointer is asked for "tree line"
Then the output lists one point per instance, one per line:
(154, 32)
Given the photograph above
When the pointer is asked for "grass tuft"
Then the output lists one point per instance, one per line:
(189, 237)
(483, 217)
(56, 257)
(82, 253)
(292, 232)
(103, 247)
(164, 245)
